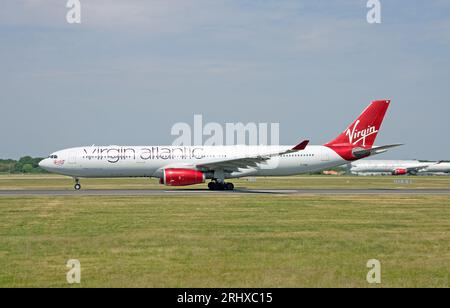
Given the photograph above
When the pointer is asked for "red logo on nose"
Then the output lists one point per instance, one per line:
(59, 162)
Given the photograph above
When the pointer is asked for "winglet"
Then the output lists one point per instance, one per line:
(301, 146)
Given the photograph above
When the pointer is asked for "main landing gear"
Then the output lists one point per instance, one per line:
(220, 186)
(77, 184)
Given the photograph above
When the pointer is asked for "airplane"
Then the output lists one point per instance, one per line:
(398, 167)
(191, 165)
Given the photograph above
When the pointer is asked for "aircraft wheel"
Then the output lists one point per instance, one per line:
(212, 186)
(220, 186)
(229, 186)
(77, 186)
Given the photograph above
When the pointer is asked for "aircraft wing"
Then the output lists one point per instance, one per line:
(235, 164)
(417, 168)
(423, 167)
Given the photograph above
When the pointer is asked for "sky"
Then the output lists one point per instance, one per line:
(132, 69)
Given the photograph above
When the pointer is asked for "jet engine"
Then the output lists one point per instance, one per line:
(182, 177)
(400, 171)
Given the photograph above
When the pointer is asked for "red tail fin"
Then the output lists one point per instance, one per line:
(361, 133)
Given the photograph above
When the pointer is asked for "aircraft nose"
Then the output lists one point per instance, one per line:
(44, 164)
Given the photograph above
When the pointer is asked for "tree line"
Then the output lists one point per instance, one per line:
(26, 164)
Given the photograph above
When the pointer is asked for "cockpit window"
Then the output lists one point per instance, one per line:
(53, 156)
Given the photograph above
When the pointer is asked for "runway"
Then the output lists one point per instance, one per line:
(205, 192)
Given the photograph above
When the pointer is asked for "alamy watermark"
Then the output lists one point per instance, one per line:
(74, 274)
(73, 16)
(374, 13)
(252, 139)
(374, 275)
(215, 134)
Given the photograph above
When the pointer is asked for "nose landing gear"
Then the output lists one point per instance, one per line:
(77, 184)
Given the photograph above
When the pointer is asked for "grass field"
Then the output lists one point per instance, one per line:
(224, 241)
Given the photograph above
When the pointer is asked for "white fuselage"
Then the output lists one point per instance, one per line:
(150, 161)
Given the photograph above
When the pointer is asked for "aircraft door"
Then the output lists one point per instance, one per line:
(325, 156)
(73, 157)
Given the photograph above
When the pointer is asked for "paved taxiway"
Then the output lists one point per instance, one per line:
(236, 192)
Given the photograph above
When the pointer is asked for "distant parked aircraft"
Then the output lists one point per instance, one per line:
(182, 166)
(398, 167)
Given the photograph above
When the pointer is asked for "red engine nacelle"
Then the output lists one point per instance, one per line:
(400, 171)
(182, 177)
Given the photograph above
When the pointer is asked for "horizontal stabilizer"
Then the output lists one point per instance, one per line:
(374, 150)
